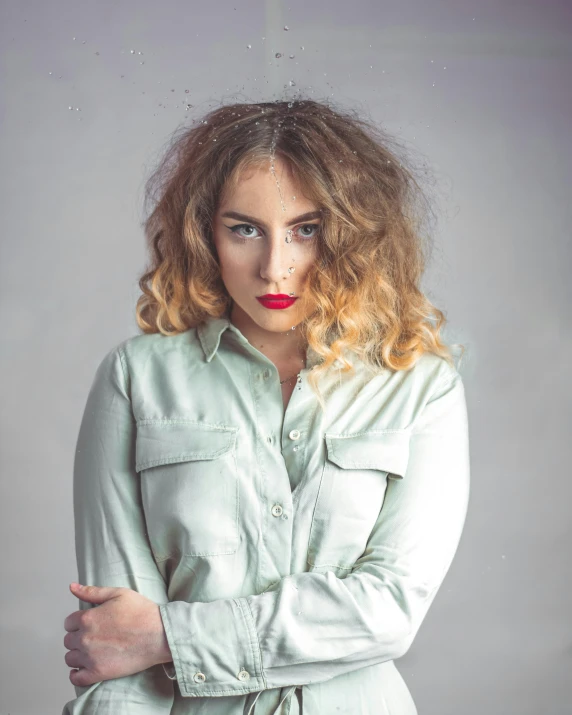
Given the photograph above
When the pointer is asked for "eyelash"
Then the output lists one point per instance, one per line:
(243, 239)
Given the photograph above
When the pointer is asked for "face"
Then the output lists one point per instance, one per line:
(266, 242)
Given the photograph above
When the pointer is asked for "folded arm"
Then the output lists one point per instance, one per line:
(111, 543)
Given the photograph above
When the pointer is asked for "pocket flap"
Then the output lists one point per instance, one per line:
(170, 441)
(375, 449)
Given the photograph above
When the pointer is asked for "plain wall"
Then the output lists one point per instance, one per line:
(483, 92)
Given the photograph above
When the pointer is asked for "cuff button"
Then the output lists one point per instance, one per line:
(199, 677)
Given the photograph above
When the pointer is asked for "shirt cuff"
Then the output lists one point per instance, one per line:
(214, 647)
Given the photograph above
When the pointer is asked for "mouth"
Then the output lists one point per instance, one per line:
(276, 301)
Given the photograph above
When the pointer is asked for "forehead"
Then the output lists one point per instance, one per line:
(264, 175)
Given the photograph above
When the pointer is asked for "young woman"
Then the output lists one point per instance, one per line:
(271, 482)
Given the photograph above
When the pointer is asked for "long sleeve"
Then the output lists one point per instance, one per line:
(111, 543)
(311, 627)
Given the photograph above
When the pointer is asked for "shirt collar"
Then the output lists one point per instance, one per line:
(210, 333)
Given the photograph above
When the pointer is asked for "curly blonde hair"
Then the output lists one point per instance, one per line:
(372, 247)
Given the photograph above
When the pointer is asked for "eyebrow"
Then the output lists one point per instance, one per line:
(251, 219)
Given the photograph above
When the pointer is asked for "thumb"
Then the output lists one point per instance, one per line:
(93, 594)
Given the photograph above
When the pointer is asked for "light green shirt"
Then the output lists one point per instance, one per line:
(294, 554)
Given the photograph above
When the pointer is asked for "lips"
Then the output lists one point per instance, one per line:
(276, 301)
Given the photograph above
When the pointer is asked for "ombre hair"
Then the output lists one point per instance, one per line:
(372, 245)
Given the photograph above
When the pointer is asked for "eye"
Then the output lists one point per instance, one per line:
(238, 226)
(315, 226)
(304, 237)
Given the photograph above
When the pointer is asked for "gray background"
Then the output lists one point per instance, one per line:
(495, 125)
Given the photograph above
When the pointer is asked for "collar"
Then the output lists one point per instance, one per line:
(210, 333)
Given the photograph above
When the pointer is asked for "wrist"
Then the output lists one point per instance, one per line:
(163, 651)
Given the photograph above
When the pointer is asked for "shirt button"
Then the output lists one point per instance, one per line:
(244, 675)
(294, 434)
(276, 510)
(199, 677)
(266, 374)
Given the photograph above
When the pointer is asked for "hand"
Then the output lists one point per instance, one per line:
(123, 635)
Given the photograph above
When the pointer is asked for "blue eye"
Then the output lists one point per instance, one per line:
(235, 230)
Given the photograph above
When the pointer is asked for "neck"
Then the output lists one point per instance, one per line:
(280, 347)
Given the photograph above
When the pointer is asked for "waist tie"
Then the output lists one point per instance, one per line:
(288, 696)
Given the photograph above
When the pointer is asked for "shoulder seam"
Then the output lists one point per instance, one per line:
(124, 368)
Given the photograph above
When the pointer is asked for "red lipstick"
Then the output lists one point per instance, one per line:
(276, 301)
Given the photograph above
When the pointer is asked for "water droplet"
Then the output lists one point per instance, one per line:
(292, 83)
(132, 52)
(278, 54)
(291, 269)
(248, 47)
(186, 91)
(286, 27)
(293, 327)
(70, 107)
(301, 47)
(288, 238)
(293, 198)
(73, 38)
(291, 295)
(292, 57)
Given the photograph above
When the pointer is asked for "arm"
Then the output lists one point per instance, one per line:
(110, 537)
(310, 627)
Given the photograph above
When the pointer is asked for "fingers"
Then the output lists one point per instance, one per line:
(73, 659)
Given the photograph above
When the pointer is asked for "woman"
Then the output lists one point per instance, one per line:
(271, 481)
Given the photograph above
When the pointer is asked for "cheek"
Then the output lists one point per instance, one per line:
(235, 266)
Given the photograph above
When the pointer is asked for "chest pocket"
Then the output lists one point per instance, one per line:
(351, 493)
(189, 487)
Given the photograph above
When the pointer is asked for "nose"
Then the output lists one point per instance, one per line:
(276, 258)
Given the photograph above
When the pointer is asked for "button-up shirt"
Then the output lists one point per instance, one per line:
(294, 553)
